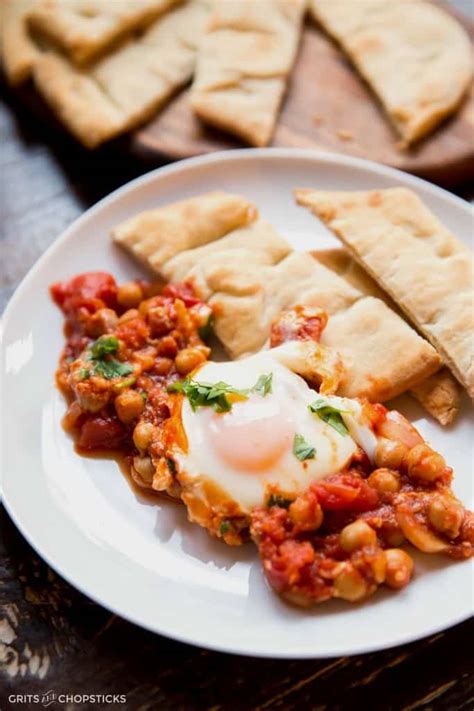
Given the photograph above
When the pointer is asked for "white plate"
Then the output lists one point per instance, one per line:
(146, 562)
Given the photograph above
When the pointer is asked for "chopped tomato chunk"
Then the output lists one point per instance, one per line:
(101, 432)
(84, 290)
(346, 491)
(184, 292)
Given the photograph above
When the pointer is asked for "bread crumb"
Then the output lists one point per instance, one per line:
(344, 135)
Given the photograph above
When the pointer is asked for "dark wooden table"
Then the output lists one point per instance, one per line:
(52, 638)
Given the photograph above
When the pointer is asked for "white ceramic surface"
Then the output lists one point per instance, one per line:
(146, 562)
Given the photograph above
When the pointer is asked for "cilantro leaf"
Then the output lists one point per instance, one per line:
(207, 394)
(263, 386)
(215, 395)
(301, 449)
(225, 527)
(103, 366)
(329, 414)
(111, 368)
(102, 346)
(277, 500)
(171, 465)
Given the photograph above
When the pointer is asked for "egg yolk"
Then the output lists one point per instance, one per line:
(253, 435)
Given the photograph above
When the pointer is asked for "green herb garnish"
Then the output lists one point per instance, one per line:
(215, 395)
(103, 346)
(263, 386)
(111, 368)
(144, 395)
(207, 394)
(276, 500)
(301, 449)
(171, 465)
(125, 383)
(83, 374)
(225, 527)
(329, 414)
(103, 365)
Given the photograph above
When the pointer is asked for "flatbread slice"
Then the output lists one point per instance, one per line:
(416, 58)
(440, 393)
(248, 274)
(382, 355)
(244, 63)
(257, 243)
(82, 29)
(156, 236)
(417, 261)
(18, 50)
(128, 86)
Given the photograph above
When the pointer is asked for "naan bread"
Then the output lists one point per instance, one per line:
(439, 394)
(417, 261)
(18, 51)
(415, 56)
(82, 29)
(244, 63)
(248, 274)
(128, 86)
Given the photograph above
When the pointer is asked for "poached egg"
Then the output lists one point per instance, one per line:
(269, 440)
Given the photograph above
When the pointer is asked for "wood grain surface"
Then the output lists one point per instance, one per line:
(328, 107)
(52, 638)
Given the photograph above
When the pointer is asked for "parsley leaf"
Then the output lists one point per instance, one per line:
(263, 386)
(277, 500)
(102, 346)
(83, 374)
(329, 414)
(301, 448)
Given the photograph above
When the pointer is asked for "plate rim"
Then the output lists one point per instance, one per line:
(179, 166)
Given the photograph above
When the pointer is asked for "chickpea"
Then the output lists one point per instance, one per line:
(129, 316)
(162, 366)
(424, 464)
(399, 568)
(349, 584)
(103, 321)
(306, 513)
(379, 566)
(130, 294)
(144, 467)
(146, 358)
(129, 405)
(385, 481)
(390, 453)
(167, 347)
(357, 535)
(446, 515)
(188, 359)
(143, 435)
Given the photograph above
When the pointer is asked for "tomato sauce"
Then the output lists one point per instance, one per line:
(124, 346)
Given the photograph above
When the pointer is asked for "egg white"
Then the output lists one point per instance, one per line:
(288, 401)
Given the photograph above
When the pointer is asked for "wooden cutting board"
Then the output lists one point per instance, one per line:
(327, 107)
